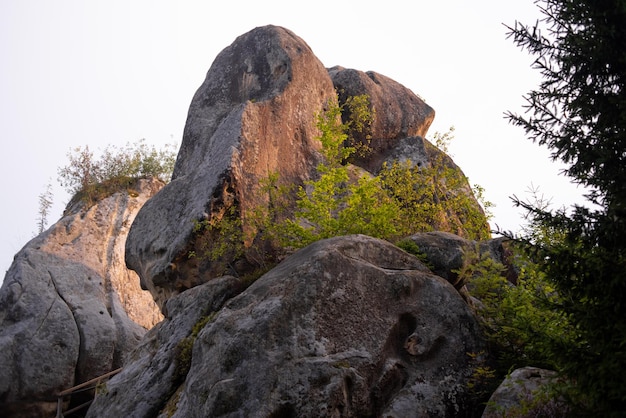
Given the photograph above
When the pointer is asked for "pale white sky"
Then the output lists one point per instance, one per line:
(76, 73)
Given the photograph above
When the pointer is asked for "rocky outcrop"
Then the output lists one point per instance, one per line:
(70, 310)
(447, 254)
(158, 367)
(349, 326)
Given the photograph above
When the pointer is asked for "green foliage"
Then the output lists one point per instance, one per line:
(337, 206)
(435, 196)
(91, 178)
(483, 380)
(185, 346)
(578, 111)
(401, 200)
(357, 117)
(224, 233)
(411, 247)
(343, 200)
(523, 321)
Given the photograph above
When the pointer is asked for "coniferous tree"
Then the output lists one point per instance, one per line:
(45, 203)
(579, 112)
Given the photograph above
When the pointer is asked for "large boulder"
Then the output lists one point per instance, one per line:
(349, 326)
(254, 115)
(70, 310)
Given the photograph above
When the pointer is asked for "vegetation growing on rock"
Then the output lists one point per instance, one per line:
(402, 199)
(90, 179)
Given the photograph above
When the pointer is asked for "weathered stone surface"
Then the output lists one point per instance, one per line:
(520, 393)
(349, 326)
(159, 365)
(70, 310)
(401, 118)
(253, 115)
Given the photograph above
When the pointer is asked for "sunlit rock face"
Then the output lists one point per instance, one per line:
(70, 310)
(254, 115)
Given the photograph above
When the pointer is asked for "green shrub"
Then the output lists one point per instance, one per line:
(411, 247)
(89, 179)
(182, 361)
(403, 199)
(436, 196)
(523, 322)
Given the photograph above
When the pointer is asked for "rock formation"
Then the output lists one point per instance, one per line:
(349, 326)
(254, 115)
(70, 310)
(448, 252)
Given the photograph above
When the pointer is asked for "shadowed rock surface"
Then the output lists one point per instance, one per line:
(448, 252)
(70, 310)
(349, 326)
(158, 367)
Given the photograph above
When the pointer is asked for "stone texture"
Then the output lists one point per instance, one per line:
(401, 118)
(70, 310)
(521, 391)
(448, 252)
(157, 367)
(253, 115)
(349, 326)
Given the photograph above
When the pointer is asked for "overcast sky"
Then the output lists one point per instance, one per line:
(76, 73)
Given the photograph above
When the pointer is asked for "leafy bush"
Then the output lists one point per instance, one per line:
(524, 326)
(522, 321)
(89, 178)
(435, 196)
(403, 199)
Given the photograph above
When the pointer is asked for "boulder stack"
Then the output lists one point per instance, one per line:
(70, 310)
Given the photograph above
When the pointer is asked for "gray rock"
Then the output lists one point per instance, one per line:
(522, 391)
(349, 326)
(446, 253)
(159, 365)
(254, 115)
(69, 308)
